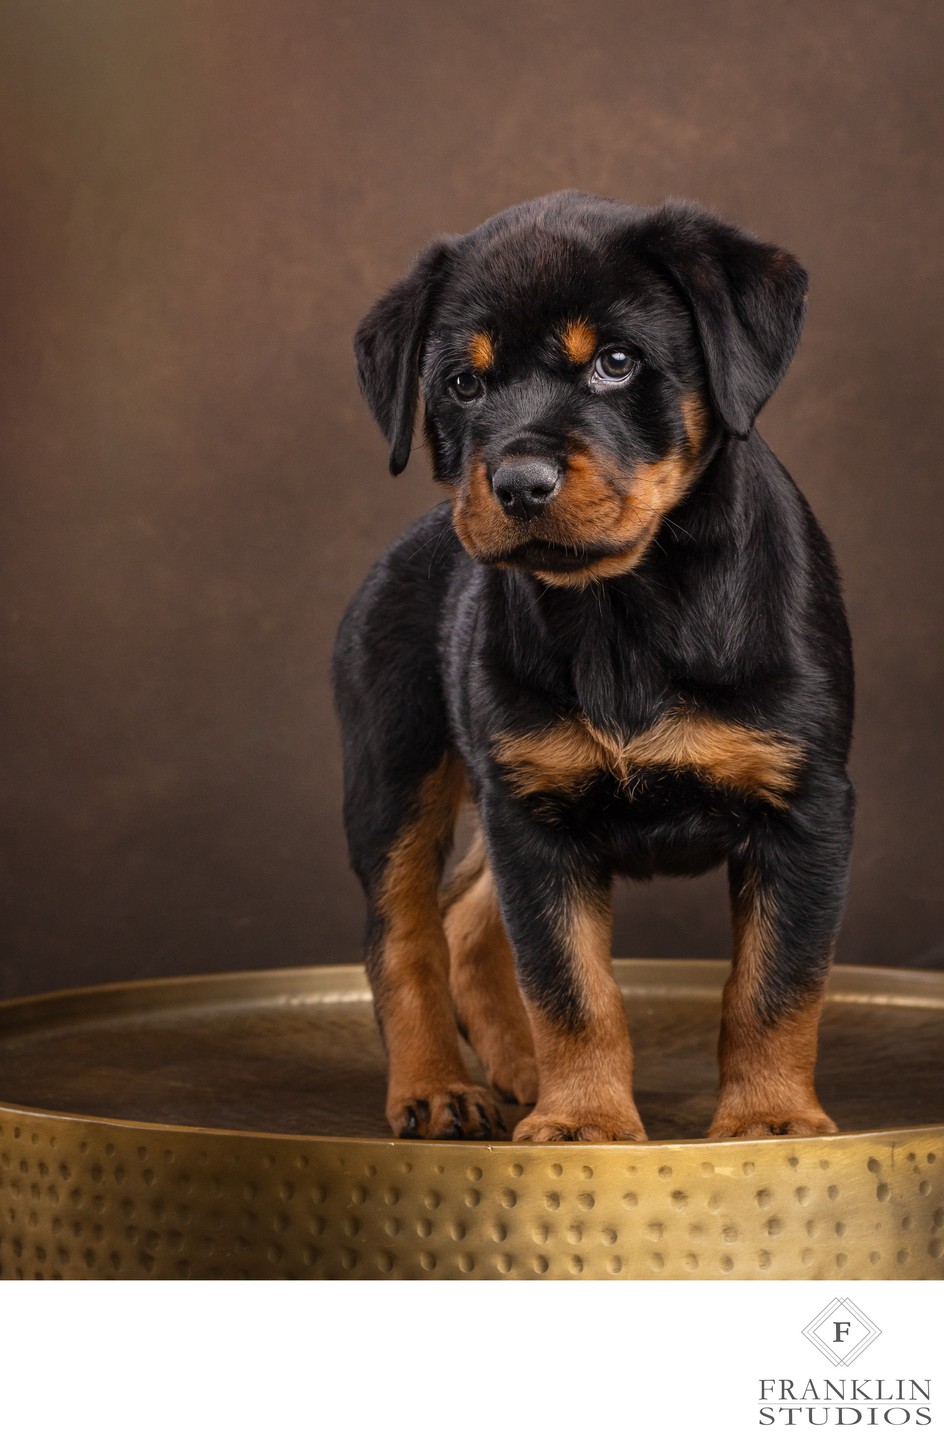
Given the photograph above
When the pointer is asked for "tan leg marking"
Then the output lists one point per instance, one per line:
(429, 1092)
(482, 978)
(766, 1069)
(566, 757)
(585, 1075)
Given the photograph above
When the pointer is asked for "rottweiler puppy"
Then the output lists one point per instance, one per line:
(621, 635)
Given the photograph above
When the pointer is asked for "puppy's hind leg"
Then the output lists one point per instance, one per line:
(482, 978)
(429, 1091)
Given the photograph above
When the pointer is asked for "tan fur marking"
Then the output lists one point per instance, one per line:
(655, 489)
(412, 996)
(481, 351)
(482, 979)
(597, 505)
(560, 760)
(579, 339)
(476, 514)
(589, 482)
(767, 1081)
(733, 756)
(585, 1084)
(566, 757)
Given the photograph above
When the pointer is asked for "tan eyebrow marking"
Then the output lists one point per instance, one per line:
(579, 340)
(481, 351)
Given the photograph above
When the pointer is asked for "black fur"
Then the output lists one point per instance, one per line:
(734, 607)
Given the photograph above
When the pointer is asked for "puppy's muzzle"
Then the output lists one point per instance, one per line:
(524, 488)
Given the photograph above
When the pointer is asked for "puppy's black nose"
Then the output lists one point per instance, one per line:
(523, 487)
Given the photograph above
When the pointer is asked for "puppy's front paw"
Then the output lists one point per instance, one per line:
(581, 1128)
(804, 1124)
(463, 1111)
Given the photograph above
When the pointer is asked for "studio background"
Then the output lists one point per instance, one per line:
(200, 200)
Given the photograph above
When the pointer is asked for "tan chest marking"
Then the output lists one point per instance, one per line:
(569, 755)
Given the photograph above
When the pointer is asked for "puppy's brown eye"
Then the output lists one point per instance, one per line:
(614, 366)
(466, 385)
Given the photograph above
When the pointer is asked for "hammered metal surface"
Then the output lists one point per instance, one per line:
(132, 1194)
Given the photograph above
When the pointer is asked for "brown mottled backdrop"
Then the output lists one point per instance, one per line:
(200, 199)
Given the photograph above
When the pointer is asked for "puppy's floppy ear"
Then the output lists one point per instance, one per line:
(388, 345)
(747, 299)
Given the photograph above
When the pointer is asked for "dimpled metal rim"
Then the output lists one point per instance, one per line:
(85, 1197)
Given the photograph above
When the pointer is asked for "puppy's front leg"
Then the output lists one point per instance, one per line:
(556, 910)
(788, 885)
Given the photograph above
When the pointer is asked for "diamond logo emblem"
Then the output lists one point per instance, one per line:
(842, 1332)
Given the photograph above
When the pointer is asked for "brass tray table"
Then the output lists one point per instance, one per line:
(232, 1127)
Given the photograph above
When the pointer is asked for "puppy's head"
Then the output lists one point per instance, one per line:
(577, 357)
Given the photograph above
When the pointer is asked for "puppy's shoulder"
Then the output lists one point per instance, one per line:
(400, 602)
